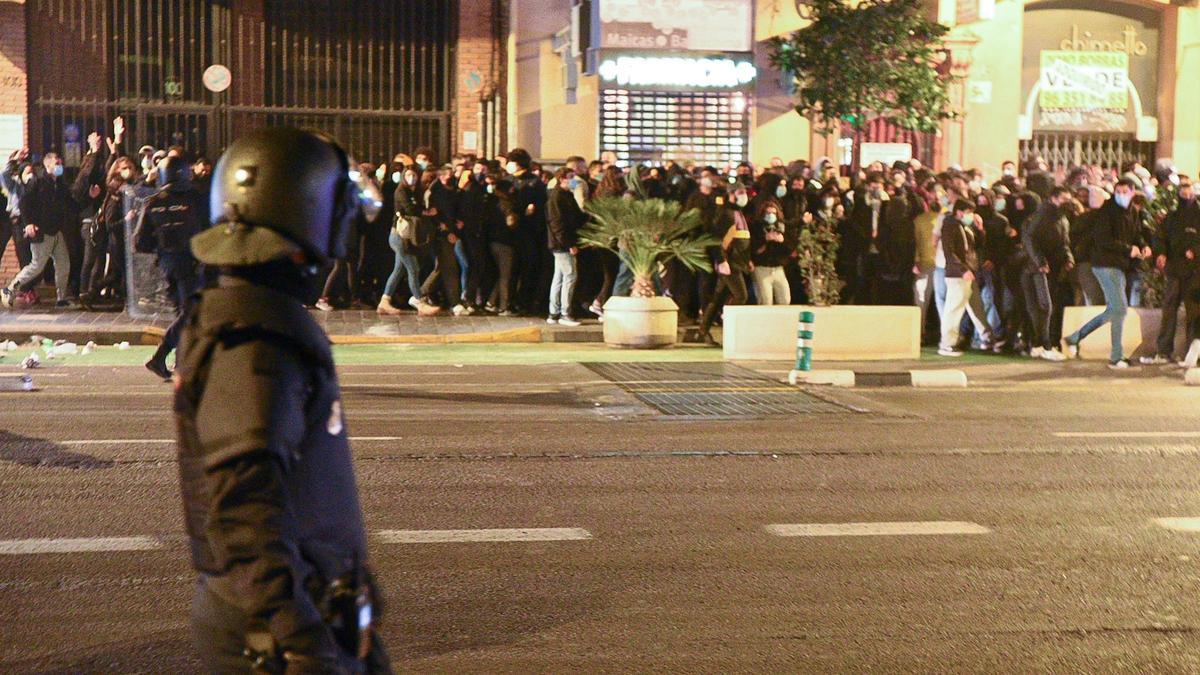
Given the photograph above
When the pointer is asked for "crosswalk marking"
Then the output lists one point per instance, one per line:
(78, 545)
(937, 527)
(459, 536)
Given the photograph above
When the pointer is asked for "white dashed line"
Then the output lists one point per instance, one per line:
(1178, 524)
(83, 545)
(875, 529)
(167, 441)
(462, 536)
(1127, 434)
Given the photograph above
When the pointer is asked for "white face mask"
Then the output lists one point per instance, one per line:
(395, 176)
(1001, 204)
(126, 173)
(491, 188)
(511, 167)
(706, 182)
(411, 179)
(741, 200)
(770, 218)
(829, 202)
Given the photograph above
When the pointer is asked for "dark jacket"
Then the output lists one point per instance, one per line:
(47, 203)
(1046, 239)
(1117, 231)
(168, 221)
(997, 246)
(267, 480)
(1179, 234)
(960, 247)
(444, 198)
(766, 253)
(530, 190)
(564, 219)
(500, 220)
(406, 202)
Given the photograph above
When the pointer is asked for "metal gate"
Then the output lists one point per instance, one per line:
(1065, 150)
(375, 74)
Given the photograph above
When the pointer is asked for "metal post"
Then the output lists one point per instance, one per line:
(804, 340)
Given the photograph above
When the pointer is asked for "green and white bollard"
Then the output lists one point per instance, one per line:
(804, 340)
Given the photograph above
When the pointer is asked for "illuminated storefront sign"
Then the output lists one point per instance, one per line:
(676, 71)
(677, 25)
(1086, 70)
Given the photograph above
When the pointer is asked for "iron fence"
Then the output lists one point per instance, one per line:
(1064, 150)
(375, 74)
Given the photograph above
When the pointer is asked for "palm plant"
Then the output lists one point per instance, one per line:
(646, 232)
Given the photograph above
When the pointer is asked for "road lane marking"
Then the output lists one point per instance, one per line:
(933, 527)
(166, 441)
(1127, 434)
(81, 545)
(1178, 524)
(462, 536)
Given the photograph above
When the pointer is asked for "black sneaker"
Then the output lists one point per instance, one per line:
(159, 368)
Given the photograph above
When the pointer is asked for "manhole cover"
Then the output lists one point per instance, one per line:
(713, 390)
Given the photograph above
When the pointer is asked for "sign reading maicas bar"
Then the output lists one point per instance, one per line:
(677, 25)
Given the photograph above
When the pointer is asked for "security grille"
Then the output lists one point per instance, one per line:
(1065, 150)
(652, 126)
(376, 75)
(714, 391)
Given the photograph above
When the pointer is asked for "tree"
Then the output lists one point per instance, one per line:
(872, 58)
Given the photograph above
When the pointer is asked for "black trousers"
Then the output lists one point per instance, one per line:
(183, 281)
(1035, 286)
(95, 250)
(501, 296)
(1173, 296)
(13, 233)
(445, 273)
(731, 290)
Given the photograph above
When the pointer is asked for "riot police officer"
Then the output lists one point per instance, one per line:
(168, 220)
(268, 485)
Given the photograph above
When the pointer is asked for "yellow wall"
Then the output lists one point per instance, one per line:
(776, 129)
(1186, 137)
(986, 135)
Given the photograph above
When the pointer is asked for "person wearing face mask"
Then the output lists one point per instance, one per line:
(406, 239)
(423, 158)
(1119, 245)
(442, 202)
(535, 265)
(961, 249)
(925, 257)
(16, 176)
(1175, 248)
(564, 219)
(47, 209)
(106, 237)
(1047, 245)
(93, 189)
(734, 265)
(869, 245)
(772, 243)
(472, 247)
(708, 200)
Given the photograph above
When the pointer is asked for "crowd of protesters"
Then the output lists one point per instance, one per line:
(997, 260)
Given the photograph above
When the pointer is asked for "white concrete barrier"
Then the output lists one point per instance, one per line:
(1139, 337)
(844, 333)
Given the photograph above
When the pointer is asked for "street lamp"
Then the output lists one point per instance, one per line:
(805, 9)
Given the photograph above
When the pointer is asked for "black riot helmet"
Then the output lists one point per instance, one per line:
(275, 191)
(175, 172)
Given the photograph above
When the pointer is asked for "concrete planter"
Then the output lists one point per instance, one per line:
(640, 323)
(840, 333)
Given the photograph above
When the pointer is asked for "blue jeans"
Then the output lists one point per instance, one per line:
(939, 289)
(989, 289)
(563, 286)
(464, 264)
(624, 283)
(405, 263)
(1112, 283)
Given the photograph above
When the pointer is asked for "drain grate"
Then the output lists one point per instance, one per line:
(713, 390)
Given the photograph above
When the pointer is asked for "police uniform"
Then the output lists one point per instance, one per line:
(271, 507)
(169, 219)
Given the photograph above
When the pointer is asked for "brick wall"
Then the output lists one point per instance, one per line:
(481, 65)
(13, 92)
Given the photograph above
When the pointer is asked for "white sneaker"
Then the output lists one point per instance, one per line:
(1072, 350)
(1037, 353)
(1155, 360)
(1123, 364)
(1193, 355)
(597, 310)
(1053, 355)
(414, 302)
(459, 310)
(568, 321)
(324, 305)
(946, 351)
(551, 320)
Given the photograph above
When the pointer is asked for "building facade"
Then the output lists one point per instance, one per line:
(632, 76)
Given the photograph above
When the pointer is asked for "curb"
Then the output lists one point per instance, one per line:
(919, 379)
(532, 334)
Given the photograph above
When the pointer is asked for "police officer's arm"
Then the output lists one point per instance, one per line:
(250, 423)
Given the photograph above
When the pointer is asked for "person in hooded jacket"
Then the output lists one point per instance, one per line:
(47, 210)
(107, 236)
(736, 261)
(1176, 256)
(1046, 242)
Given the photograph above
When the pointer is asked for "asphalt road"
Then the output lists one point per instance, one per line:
(662, 555)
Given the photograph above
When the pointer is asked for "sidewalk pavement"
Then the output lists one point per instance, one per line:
(343, 327)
